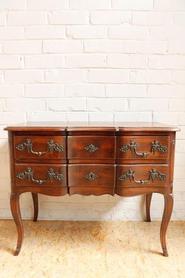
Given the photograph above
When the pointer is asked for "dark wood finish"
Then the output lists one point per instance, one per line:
(41, 150)
(91, 147)
(142, 176)
(40, 175)
(143, 150)
(91, 178)
(148, 204)
(35, 205)
(15, 209)
(94, 159)
(168, 206)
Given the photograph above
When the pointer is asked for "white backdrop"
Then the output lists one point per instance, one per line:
(92, 60)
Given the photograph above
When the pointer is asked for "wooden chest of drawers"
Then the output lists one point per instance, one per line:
(125, 159)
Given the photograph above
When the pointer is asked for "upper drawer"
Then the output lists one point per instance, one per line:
(143, 147)
(39, 147)
(91, 147)
(40, 175)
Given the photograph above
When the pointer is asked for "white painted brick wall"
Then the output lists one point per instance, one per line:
(92, 60)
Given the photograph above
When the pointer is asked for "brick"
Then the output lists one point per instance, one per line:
(44, 61)
(24, 105)
(127, 61)
(179, 18)
(103, 46)
(133, 4)
(10, 33)
(11, 62)
(151, 18)
(169, 5)
(13, 5)
(166, 33)
(108, 75)
(26, 18)
(167, 62)
(126, 90)
(47, 4)
(90, 4)
(7, 118)
(105, 104)
(62, 46)
(45, 116)
(2, 18)
(110, 17)
(129, 32)
(133, 116)
(101, 117)
(9, 91)
(144, 47)
(24, 76)
(148, 105)
(77, 116)
(176, 46)
(180, 146)
(167, 117)
(151, 76)
(179, 76)
(177, 105)
(44, 90)
(166, 91)
(23, 47)
(69, 17)
(67, 104)
(45, 32)
(66, 76)
(86, 60)
(85, 90)
(86, 32)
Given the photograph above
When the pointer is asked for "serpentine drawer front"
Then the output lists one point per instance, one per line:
(35, 148)
(125, 159)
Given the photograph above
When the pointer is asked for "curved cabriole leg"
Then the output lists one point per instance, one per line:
(148, 204)
(35, 205)
(168, 206)
(15, 209)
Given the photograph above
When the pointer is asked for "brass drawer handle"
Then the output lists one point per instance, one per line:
(157, 147)
(29, 176)
(51, 147)
(91, 176)
(132, 146)
(153, 175)
(91, 148)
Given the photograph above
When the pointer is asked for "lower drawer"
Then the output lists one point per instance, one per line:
(142, 175)
(91, 179)
(36, 175)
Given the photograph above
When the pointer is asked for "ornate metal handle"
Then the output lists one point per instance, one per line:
(28, 145)
(132, 146)
(91, 176)
(91, 148)
(29, 175)
(157, 147)
(153, 175)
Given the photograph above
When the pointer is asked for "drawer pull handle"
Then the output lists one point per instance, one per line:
(91, 148)
(91, 176)
(157, 147)
(133, 148)
(29, 176)
(51, 147)
(153, 175)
